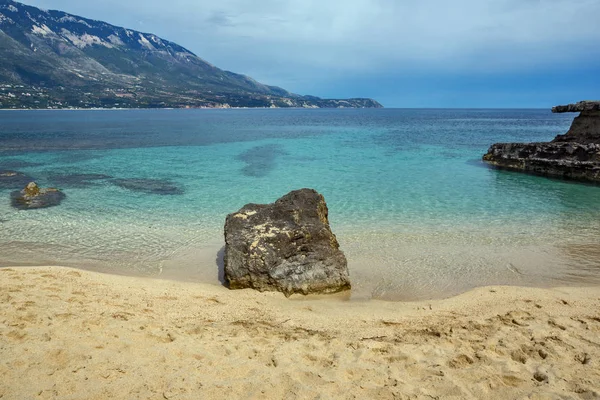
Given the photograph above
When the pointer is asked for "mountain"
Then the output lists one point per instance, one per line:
(51, 59)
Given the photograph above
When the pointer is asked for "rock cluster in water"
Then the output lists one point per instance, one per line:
(33, 197)
(574, 155)
(286, 246)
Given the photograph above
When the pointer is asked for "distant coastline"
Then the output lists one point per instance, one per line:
(182, 108)
(100, 65)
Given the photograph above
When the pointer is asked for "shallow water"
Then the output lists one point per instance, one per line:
(416, 212)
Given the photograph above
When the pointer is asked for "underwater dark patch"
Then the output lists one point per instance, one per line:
(14, 179)
(261, 160)
(73, 157)
(10, 164)
(150, 186)
(76, 180)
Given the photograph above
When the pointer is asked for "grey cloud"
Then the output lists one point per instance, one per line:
(219, 18)
(341, 36)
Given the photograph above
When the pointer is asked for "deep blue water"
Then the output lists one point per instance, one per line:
(415, 210)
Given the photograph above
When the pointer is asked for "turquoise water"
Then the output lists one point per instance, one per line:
(416, 212)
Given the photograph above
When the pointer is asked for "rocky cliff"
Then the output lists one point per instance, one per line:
(51, 59)
(574, 155)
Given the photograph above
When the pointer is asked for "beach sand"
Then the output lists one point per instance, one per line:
(73, 334)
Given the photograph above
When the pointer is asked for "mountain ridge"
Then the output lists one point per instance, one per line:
(53, 59)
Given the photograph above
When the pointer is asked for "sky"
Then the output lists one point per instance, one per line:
(416, 53)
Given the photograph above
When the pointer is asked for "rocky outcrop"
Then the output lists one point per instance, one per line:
(567, 160)
(574, 155)
(586, 127)
(33, 197)
(286, 246)
(582, 106)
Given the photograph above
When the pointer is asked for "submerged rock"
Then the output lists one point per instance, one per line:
(13, 179)
(260, 160)
(286, 246)
(574, 155)
(150, 186)
(77, 180)
(33, 197)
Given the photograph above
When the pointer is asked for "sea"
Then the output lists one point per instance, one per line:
(416, 212)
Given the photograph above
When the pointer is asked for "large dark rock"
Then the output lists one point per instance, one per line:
(584, 129)
(33, 197)
(574, 155)
(286, 246)
(567, 160)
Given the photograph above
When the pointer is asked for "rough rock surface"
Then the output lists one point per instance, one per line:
(286, 246)
(574, 155)
(584, 129)
(586, 105)
(33, 197)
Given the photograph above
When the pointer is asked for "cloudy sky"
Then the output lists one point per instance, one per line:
(415, 53)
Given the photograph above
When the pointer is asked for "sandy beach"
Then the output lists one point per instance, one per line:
(73, 334)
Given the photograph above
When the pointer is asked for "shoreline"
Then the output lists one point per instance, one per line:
(72, 333)
(203, 265)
